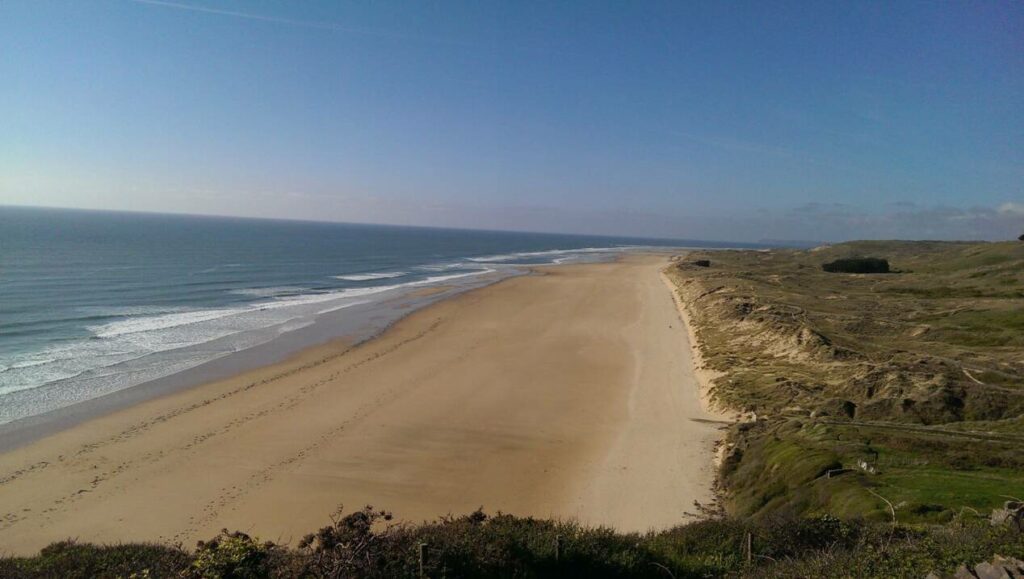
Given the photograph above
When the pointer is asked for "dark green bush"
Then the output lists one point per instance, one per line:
(71, 560)
(857, 265)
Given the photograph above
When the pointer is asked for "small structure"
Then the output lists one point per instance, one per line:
(702, 263)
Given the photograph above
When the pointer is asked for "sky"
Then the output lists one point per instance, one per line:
(739, 121)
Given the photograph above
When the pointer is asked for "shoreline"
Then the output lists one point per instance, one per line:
(564, 394)
(353, 326)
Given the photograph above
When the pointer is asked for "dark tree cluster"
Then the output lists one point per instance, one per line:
(857, 265)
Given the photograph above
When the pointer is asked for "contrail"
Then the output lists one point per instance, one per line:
(302, 23)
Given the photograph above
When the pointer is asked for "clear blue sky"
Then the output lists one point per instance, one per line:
(717, 120)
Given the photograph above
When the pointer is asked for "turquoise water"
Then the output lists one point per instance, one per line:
(95, 302)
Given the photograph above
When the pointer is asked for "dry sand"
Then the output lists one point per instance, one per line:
(570, 394)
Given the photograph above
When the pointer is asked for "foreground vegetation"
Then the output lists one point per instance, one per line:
(363, 544)
(867, 394)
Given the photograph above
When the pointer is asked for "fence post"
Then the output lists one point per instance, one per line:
(750, 548)
(558, 548)
(423, 558)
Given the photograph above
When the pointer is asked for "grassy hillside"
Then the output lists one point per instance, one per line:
(906, 387)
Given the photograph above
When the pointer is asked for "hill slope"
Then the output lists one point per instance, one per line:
(907, 386)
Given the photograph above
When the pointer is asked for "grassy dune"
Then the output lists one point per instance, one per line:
(905, 387)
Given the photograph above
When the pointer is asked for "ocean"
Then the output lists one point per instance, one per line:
(93, 303)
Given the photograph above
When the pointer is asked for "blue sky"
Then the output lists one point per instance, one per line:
(716, 120)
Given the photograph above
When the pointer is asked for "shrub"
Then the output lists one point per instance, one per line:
(365, 545)
(71, 560)
(857, 265)
(232, 556)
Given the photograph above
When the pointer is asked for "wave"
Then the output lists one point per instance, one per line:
(266, 292)
(379, 289)
(61, 363)
(449, 266)
(371, 276)
(30, 363)
(440, 278)
(150, 323)
(118, 311)
(160, 322)
(217, 268)
(325, 296)
(144, 324)
(335, 308)
(25, 364)
(535, 254)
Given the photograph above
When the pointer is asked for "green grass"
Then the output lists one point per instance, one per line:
(993, 327)
(982, 490)
(995, 288)
(929, 476)
(929, 480)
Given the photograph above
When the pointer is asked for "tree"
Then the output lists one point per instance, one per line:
(857, 265)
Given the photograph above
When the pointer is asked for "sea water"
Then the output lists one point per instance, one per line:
(93, 302)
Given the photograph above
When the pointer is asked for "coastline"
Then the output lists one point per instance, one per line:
(561, 394)
(352, 326)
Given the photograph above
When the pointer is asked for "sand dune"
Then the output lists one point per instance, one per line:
(570, 393)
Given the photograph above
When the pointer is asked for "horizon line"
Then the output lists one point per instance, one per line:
(730, 243)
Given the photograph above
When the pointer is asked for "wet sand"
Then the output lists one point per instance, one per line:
(570, 393)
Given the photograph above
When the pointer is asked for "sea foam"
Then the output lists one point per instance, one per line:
(371, 276)
(505, 257)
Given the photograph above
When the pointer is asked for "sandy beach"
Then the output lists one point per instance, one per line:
(568, 393)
